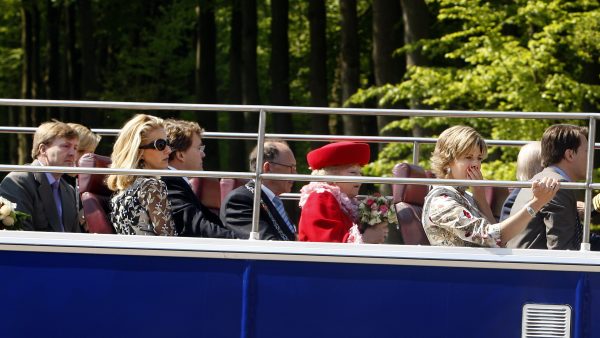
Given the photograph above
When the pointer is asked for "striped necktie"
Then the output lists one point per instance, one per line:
(279, 206)
(578, 233)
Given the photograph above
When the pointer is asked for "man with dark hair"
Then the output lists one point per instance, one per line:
(557, 225)
(236, 209)
(191, 217)
(48, 198)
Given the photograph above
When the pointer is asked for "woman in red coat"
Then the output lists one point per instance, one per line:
(330, 209)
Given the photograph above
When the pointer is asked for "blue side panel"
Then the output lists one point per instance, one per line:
(79, 295)
(75, 295)
(327, 300)
(592, 297)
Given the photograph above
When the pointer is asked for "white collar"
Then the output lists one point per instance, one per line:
(184, 177)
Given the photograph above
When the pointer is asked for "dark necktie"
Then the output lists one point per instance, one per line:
(578, 233)
(58, 202)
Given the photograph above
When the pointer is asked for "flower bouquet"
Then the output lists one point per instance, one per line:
(10, 218)
(376, 209)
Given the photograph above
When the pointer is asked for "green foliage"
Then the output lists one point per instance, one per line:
(521, 55)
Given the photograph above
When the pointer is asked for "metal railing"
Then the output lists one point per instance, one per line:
(261, 134)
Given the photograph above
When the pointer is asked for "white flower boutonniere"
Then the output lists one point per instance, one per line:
(10, 218)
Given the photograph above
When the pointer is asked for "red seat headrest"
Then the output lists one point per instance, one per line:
(94, 183)
(208, 190)
(410, 193)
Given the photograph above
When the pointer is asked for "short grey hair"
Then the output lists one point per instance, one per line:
(529, 161)
(270, 152)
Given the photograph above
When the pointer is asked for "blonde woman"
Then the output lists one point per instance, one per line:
(454, 217)
(140, 205)
(88, 141)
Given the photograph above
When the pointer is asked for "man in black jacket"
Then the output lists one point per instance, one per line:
(192, 219)
(237, 207)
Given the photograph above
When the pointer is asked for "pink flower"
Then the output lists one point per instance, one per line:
(370, 201)
(383, 209)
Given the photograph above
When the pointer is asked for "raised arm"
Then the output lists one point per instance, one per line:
(543, 192)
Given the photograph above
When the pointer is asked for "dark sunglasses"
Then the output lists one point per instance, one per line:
(158, 144)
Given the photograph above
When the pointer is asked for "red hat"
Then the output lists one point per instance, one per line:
(339, 153)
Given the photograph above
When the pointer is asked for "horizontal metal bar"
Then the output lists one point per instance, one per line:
(293, 137)
(384, 254)
(133, 172)
(290, 109)
(280, 177)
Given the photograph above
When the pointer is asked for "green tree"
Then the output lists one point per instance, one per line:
(524, 55)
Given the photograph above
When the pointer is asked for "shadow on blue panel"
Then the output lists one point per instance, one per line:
(78, 295)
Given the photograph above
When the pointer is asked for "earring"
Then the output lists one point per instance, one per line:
(448, 171)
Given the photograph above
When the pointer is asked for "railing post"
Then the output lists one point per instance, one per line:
(262, 122)
(416, 147)
(585, 243)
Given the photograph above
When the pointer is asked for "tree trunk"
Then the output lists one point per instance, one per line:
(318, 67)
(279, 68)
(89, 62)
(237, 154)
(53, 29)
(387, 37)
(350, 63)
(26, 79)
(73, 70)
(250, 93)
(206, 79)
(417, 22)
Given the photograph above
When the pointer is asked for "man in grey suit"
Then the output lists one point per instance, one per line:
(46, 197)
(556, 225)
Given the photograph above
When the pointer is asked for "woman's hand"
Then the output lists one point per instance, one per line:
(375, 234)
(474, 173)
(544, 191)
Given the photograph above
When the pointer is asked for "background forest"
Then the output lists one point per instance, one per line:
(521, 55)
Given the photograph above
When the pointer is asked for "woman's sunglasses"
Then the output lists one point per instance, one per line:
(158, 144)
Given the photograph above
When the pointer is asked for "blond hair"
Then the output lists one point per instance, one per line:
(529, 161)
(88, 141)
(453, 143)
(126, 153)
(47, 132)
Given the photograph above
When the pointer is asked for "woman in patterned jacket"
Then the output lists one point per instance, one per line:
(454, 217)
(140, 205)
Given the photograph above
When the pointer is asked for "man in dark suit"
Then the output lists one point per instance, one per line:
(47, 197)
(274, 223)
(191, 217)
(556, 225)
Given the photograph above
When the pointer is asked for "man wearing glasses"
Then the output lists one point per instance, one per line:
(274, 223)
(191, 217)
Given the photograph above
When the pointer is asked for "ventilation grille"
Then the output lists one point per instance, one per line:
(552, 321)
